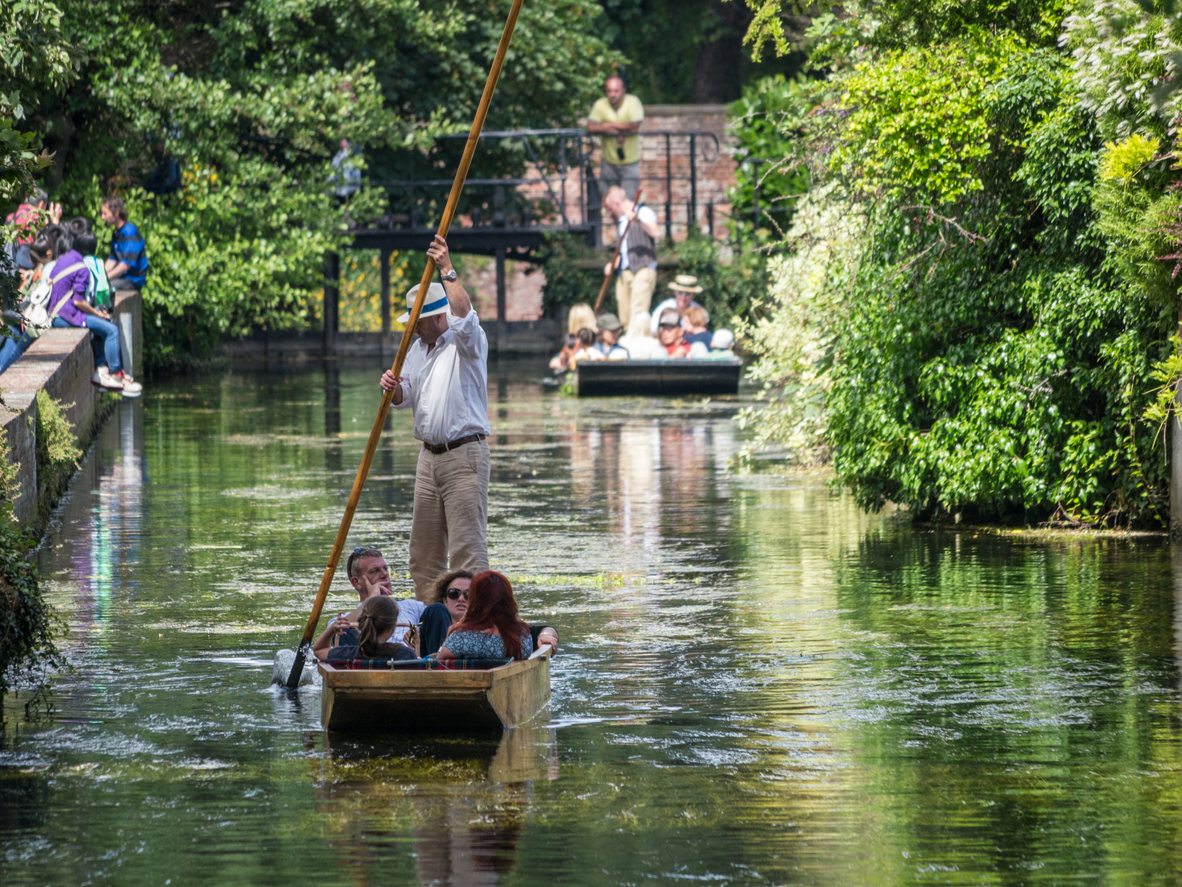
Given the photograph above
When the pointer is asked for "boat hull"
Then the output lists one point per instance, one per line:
(657, 378)
(393, 701)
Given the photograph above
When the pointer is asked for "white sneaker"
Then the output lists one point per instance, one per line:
(131, 388)
(107, 380)
(96, 378)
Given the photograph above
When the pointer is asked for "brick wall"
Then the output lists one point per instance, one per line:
(715, 167)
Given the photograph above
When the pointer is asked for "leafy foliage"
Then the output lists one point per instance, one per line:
(257, 264)
(793, 341)
(1126, 65)
(34, 58)
(918, 129)
(768, 122)
(1001, 376)
(574, 272)
(985, 350)
(57, 449)
(732, 287)
(26, 622)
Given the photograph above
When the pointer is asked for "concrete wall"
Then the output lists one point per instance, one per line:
(60, 361)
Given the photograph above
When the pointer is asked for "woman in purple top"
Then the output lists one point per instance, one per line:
(70, 293)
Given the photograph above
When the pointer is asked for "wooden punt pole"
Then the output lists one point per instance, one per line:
(457, 187)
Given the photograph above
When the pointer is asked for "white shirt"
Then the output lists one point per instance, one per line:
(645, 215)
(448, 388)
(655, 323)
(642, 347)
(410, 614)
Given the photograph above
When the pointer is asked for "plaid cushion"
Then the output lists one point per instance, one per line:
(421, 664)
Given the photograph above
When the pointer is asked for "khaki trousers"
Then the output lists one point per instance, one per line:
(450, 514)
(634, 292)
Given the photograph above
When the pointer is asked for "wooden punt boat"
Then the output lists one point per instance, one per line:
(657, 378)
(412, 700)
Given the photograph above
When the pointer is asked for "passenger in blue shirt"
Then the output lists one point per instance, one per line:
(127, 265)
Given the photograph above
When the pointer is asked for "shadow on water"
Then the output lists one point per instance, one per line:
(757, 683)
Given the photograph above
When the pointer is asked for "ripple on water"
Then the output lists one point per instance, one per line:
(758, 683)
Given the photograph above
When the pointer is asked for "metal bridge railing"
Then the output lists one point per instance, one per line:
(557, 190)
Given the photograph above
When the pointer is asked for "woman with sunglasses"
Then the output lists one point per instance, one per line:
(490, 628)
(448, 604)
(449, 596)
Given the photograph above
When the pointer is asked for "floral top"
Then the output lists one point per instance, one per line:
(478, 645)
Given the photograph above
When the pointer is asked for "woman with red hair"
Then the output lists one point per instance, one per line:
(490, 628)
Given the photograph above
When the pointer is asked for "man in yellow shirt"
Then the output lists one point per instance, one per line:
(617, 117)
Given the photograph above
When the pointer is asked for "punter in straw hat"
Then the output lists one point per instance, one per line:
(685, 287)
(445, 383)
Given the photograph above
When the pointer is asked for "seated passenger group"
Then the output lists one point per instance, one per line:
(678, 329)
(60, 271)
(469, 617)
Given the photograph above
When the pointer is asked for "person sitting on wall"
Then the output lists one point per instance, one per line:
(127, 265)
(685, 287)
(370, 576)
(449, 607)
(376, 624)
(69, 308)
(18, 339)
(98, 293)
(609, 338)
(26, 219)
(670, 334)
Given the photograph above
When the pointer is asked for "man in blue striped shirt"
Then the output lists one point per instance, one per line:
(127, 266)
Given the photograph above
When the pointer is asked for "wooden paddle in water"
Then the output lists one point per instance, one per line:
(619, 243)
(293, 680)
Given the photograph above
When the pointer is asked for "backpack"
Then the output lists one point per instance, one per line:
(98, 291)
(35, 307)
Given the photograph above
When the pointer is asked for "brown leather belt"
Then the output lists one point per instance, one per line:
(440, 449)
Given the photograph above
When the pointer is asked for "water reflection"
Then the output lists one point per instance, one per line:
(106, 525)
(464, 811)
(758, 683)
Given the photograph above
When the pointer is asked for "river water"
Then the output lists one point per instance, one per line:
(757, 683)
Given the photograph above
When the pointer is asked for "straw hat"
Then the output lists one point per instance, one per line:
(685, 283)
(435, 302)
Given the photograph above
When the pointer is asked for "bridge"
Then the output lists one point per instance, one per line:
(525, 185)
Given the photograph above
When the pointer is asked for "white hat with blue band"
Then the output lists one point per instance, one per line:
(434, 303)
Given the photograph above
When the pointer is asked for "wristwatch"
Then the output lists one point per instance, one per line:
(449, 276)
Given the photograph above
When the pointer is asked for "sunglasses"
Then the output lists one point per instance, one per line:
(353, 557)
(456, 593)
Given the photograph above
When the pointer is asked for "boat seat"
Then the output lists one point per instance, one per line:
(420, 664)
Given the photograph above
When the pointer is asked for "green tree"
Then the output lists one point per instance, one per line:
(35, 58)
(987, 349)
(253, 100)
